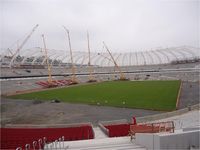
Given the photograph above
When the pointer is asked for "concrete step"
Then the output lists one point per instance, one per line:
(99, 134)
(117, 143)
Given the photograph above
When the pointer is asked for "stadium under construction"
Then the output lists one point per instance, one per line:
(67, 99)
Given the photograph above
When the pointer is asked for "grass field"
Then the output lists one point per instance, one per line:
(155, 95)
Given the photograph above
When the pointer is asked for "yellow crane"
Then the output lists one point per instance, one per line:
(21, 45)
(74, 79)
(91, 77)
(122, 76)
(50, 80)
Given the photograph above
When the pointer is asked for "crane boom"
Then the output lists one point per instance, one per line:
(74, 80)
(21, 46)
(47, 61)
(88, 48)
(106, 57)
(122, 77)
(10, 52)
(91, 78)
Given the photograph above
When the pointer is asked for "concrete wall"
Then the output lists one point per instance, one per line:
(167, 114)
(145, 139)
(180, 140)
(191, 128)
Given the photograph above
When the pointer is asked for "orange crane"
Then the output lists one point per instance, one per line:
(122, 76)
(74, 79)
(91, 77)
(50, 80)
(21, 46)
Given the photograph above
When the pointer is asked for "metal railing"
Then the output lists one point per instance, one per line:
(57, 144)
(42, 143)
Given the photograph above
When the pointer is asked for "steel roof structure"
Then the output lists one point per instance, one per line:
(35, 56)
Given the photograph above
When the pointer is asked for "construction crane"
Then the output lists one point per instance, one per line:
(110, 60)
(91, 77)
(10, 52)
(122, 76)
(74, 80)
(50, 80)
(21, 46)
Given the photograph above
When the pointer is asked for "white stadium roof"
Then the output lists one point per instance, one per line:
(159, 56)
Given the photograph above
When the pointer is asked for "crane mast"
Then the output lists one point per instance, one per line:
(110, 60)
(91, 77)
(74, 80)
(21, 46)
(122, 77)
(47, 61)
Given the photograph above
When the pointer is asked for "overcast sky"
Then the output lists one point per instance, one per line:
(124, 25)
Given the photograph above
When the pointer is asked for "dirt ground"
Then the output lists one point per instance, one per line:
(45, 112)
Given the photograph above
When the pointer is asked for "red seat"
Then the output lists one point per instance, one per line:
(11, 138)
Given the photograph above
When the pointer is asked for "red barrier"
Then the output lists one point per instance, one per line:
(11, 138)
(167, 126)
(118, 130)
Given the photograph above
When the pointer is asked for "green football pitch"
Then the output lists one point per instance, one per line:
(155, 95)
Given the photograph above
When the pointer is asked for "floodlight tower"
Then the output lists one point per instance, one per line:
(122, 76)
(74, 79)
(91, 77)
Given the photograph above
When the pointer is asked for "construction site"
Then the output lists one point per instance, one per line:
(45, 92)
(107, 75)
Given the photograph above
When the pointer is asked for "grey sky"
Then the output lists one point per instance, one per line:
(125, 25)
